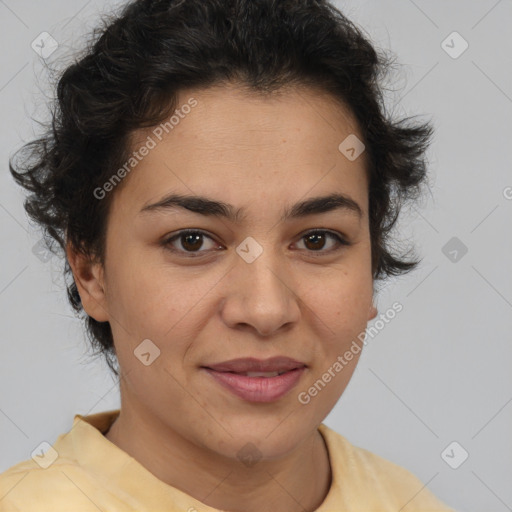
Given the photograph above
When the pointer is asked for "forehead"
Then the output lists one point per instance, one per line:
(235, 144)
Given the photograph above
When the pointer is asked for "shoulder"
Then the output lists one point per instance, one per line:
(61, 474)
(27, 486)
(383, 482)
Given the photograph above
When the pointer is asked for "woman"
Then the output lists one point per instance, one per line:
(222, 180)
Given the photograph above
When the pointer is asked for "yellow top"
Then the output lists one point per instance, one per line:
(85, 472)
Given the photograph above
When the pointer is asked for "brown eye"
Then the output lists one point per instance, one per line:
(315, 241)
(191, 242)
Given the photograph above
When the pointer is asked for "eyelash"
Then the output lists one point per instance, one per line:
(342, 242)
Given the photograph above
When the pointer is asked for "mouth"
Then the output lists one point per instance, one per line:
(253, 380)
(265, 367)
(257, 374)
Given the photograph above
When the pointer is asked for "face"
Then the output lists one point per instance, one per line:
(260, 285)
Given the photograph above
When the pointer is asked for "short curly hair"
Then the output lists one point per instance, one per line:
(137, 62)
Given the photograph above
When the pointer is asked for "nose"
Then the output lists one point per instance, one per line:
(260, 296)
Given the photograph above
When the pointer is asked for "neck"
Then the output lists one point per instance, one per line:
(299, 481)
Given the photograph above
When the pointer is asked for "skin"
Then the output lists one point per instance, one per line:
(260, 153)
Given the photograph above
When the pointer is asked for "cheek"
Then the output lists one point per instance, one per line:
(149, 302)
(146, 295)
(326, 385)
(341, 299)
(340, 312)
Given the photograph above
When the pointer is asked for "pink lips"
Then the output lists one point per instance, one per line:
(258, 389)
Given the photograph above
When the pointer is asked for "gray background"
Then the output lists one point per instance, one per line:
(439, 372)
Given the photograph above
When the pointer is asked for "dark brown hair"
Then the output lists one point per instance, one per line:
(129, 76)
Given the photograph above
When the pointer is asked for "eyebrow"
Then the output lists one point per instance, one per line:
(210, 207)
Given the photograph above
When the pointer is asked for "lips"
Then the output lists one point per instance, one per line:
(249, 365)
(255, 380)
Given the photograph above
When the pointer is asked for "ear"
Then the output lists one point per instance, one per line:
(372, 312)
(89, 279)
